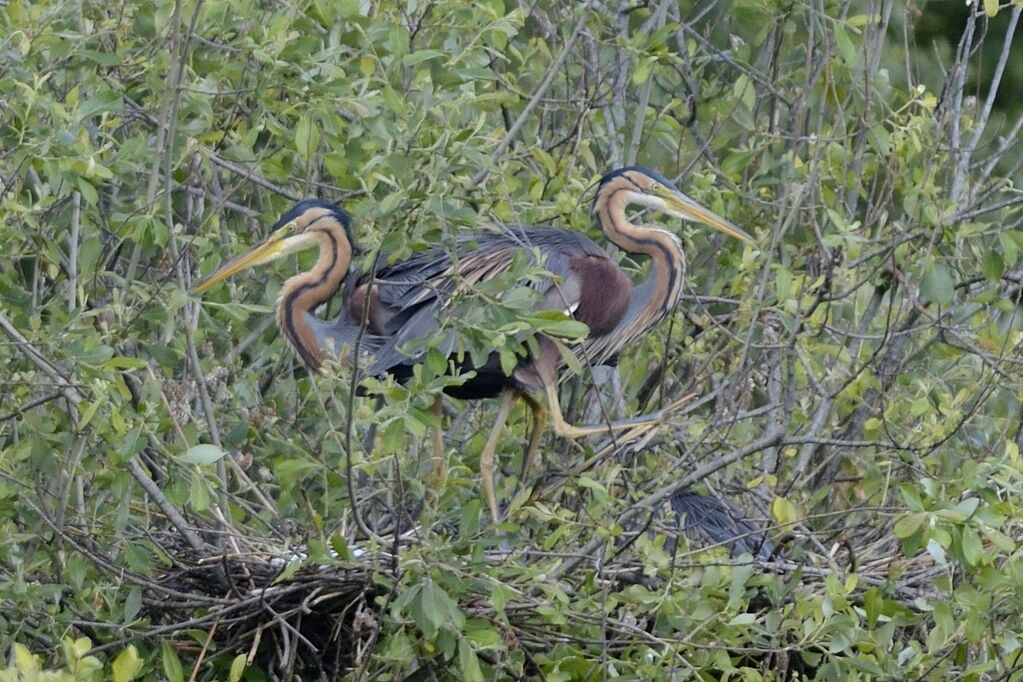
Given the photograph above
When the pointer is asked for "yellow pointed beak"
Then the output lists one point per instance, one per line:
(681, 206)
(269, 250)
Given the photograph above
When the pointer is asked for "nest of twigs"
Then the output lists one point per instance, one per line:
(285, 615)
(290, 615)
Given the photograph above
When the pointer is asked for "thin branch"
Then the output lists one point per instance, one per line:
(541, 90)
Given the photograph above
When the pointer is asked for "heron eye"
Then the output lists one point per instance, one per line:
(655, 187)
(292, 226)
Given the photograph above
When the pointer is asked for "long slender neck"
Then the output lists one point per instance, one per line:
(655, 297)
(302, 293)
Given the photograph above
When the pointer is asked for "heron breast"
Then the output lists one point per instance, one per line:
(603, 293)
(377, 318)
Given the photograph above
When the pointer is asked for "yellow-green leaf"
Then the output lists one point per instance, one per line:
(237, 668)
(127, 665)
(25, 661)
(784, 511)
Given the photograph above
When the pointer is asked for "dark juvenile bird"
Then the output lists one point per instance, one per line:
(403, 304)
(722, 523)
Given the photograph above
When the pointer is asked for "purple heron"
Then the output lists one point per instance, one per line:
(406, 298)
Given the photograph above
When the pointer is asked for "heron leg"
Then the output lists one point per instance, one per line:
(439, 474)
(566, 430)
(531, 462)
(488, 459)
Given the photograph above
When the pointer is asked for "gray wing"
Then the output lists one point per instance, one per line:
(414, 291)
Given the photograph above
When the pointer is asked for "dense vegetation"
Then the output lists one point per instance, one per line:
(176, 490)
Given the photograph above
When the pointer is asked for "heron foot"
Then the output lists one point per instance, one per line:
(566, 430)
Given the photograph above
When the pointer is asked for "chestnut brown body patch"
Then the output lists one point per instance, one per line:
(603, 293)
(375, 322)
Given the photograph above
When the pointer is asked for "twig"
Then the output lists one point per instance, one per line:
(251, 175)
(74, 239)
(541, 90)
(966, 156)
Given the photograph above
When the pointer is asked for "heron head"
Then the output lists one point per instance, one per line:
(295, 231)
(649, 188)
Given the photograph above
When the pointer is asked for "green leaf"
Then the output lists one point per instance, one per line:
(288, 572)
(172, 669)
(132, 604)
(937, 284)
(199, 494)
(908, 525)
(873, 603)
(122, 362)
(992, 265)
(89, 413)
(25, 661)
(339, 544)
(568, 329)
(936, 551)
(991, 7)
(434, 609)
(973, 549)
(237, 668)
(844, 46)
(420, 56)
(468, 662)
(307, 137)
(642, 72)
(127, 665)
(500, 596)
(204, 453)
(105, 100)
(1010, 247)
(743, 619)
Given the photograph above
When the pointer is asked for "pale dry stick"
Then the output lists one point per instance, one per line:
(254, 177)
(1007, 141)
(222, 609)
(775, 395)
(74, 237)
(966, 155)
(71, 478)
(74, 396)
(654, 22)
(872, 44)
(821, 414)
(957, 87)
(170, 94)
(615, 112)
(219, 201)
(205, 647)
(541, 90)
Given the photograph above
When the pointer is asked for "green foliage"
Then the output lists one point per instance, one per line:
(859, 362)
